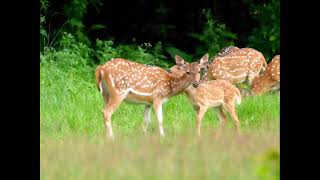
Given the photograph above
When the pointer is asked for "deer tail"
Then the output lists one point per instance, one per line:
(238, 97)
(98, 78)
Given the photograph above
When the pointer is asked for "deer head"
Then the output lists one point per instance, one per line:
(192, 69)
(269, 80)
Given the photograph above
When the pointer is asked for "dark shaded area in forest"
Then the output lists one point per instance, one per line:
(171, 22)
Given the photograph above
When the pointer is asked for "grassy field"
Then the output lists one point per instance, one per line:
(73, 146)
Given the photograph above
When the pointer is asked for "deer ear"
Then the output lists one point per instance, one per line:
(179, 60)
(204, 60)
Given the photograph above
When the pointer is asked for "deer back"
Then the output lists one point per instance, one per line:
(236, 65)
(225, 51)
(213, 93)
(126, 76)
(142, 83)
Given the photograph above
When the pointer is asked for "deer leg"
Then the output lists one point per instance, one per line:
(251, 76)
(230, 107)
(147, 117)
(200, 113)
(157, 105)
(106, 98)
(222, 118)
(108, 110)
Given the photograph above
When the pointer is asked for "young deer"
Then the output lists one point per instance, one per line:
(269, 80)
(218, 94)
(121, 79)
(236, 65)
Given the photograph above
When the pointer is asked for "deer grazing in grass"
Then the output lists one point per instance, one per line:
(269, 80)
(225, 51)
(217, 94)
(123, 80)
(236, 65)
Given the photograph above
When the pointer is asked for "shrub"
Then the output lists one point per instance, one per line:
(266, 37)
(105, 51)
(144, 53)
(214, 36)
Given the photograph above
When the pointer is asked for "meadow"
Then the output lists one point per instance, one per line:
(73, 144)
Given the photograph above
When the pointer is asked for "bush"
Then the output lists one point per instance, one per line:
(43, 33)
(71, 53)
(70, 56)
(145, 54)
(174, 51)
(105, 51)
(214, 37)
(266, 37)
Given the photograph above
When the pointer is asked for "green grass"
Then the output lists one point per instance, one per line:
(73, 145)
(82, 113)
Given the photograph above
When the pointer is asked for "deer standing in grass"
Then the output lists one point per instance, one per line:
(121, 79)
(236, 65)
(269, 80)
(217, 94)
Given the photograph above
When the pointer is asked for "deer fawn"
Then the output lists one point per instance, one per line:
(269, 80)
(123, 80)
(218, 94)
(236, 65)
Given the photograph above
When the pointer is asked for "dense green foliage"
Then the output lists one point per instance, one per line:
(214, 36)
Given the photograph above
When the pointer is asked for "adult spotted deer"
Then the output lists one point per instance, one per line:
(225, 51)
(123, 80)
(236, 65)
(217, 94)
(269, 80)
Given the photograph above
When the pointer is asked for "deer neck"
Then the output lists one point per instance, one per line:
(178, 84)
(190, 91)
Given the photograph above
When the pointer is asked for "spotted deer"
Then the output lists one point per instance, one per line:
(121, 80)
(236, 65)
(225, 51)
(218, 94)
(269, 80)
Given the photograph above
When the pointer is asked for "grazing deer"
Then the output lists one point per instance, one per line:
(218, 94)
(236, 65)
(269, 80)
(225, 51)
(123, 80)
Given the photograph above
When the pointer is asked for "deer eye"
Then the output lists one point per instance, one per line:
(188, 72)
